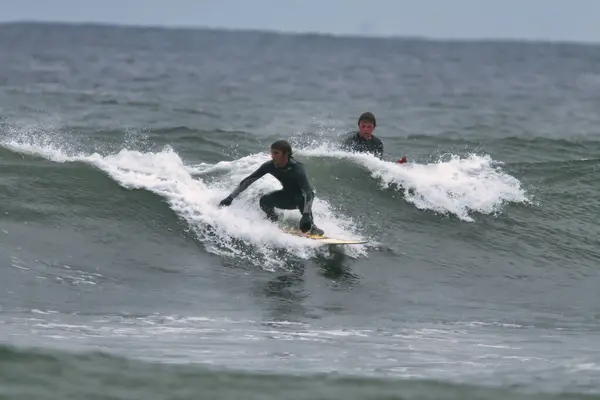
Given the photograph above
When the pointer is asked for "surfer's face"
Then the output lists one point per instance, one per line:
(279, 158)
(365, 129)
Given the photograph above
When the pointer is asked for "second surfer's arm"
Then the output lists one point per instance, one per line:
(348, 142)
(379, 150)
(250, 179)
(377, 147)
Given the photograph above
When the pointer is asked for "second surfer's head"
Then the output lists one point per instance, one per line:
(366, 125)
(281, 151)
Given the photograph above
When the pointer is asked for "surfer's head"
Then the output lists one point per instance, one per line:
(281, 151)
(366, 125)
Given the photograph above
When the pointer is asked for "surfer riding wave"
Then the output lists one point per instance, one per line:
(296, 192)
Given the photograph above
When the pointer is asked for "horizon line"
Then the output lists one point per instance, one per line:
(406, 37)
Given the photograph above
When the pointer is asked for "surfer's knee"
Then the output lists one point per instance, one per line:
(265, 202)
(267, 205)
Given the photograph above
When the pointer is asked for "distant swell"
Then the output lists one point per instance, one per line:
(524, 147)
(198, 133)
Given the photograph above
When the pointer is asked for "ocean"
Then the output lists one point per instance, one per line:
(121, 278)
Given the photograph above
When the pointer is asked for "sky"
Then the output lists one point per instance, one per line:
(556, 20)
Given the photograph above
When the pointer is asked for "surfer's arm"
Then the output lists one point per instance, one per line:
(379, 150)
(307, 192)
(250, 179)
(348, 142)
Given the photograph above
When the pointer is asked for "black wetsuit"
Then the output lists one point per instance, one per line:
(296, 191)
(356, 143)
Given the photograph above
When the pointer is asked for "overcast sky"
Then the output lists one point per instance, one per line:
(572, 20)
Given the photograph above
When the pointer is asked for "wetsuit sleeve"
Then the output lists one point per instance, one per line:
(305, 188)
(250, 179)
(379, 150)
(348, 142)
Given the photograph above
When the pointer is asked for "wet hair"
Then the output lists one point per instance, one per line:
(367, 116)
(283, 146)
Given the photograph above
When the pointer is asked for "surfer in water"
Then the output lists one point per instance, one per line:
(363, 141)
(296, 191)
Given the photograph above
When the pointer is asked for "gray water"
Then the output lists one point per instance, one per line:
(480, 274)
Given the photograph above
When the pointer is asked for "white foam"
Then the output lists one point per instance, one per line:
(240, 230)
(459, 186)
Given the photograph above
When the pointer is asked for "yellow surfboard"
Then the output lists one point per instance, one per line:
(323, 239)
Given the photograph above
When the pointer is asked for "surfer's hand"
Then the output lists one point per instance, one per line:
(226, 202)
(305, 223)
